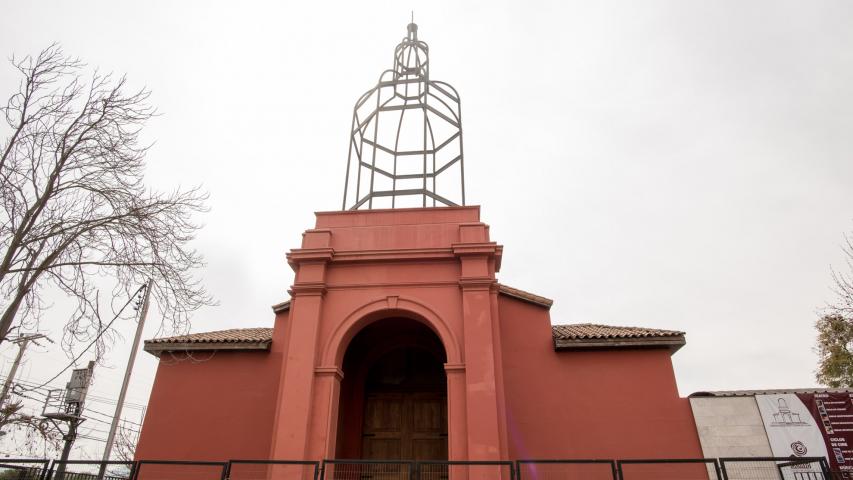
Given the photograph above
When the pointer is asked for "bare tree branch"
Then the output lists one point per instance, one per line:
(31, 430)
(73, 205)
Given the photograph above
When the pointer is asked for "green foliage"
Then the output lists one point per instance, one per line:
(834, 341)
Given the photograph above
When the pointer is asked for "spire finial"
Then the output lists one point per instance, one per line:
(412, 28)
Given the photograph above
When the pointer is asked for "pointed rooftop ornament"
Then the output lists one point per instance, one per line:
(406, 137)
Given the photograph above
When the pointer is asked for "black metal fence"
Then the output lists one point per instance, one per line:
(178, 470)
(669, 469)
(752, 468)
(90, 470)
(464, 470)
(367, 470)
(23, 469)
(565, 470)
(272, 470)
(773, 468)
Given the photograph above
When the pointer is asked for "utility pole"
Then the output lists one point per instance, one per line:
(69, 438)
(143, 312)
(67, 406)
(22, 342)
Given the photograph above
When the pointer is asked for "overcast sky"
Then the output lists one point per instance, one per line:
(675, 164)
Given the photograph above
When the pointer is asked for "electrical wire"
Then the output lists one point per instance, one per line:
(97, 337)
(90, 397)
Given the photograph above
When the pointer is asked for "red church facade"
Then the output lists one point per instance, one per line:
(399, 342)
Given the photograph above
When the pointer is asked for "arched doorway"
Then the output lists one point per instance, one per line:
(394, 394)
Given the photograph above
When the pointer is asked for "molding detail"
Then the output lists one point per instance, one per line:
(477, 283)
(392, 301)
(454, 367)
(330, 371)
(377, 309)
(485, 248)
(307, 289)
(300, 255)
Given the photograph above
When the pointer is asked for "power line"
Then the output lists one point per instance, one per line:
(87, 411)
(108, 423)
(110, 417)
(94, 398)
(97, 337)
(90, 411)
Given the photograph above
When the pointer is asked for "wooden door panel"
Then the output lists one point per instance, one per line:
(382, 448)
(426, 415)
(409, 425)
(383, 413)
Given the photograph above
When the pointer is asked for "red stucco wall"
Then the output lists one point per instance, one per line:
(510, 395)
(217, 409)
(589, 404)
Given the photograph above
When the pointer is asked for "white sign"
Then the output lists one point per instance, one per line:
(791, 429)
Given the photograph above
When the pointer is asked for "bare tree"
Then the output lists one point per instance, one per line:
(33, 435)
(125, 443)
(844, 281)
(74, 205)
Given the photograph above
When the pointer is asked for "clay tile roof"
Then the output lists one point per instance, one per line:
(589, 335)
(526, 296)
(590, 330)
(233, 339)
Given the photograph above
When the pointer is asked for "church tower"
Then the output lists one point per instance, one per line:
(406, 137)
(392, 331)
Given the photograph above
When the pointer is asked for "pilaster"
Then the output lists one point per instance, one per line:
(479, 259)
(297, 400)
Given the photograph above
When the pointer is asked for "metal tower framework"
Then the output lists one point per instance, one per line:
(406, 138)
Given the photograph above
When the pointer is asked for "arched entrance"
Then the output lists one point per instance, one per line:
(394, 394)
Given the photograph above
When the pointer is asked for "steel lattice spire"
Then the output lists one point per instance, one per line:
(406, 138)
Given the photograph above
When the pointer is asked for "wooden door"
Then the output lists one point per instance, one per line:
(405, 426)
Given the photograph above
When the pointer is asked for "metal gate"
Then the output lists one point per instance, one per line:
(465, 470)
(23, 469)
(774, 468)
(367, 470)
(272, 470)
